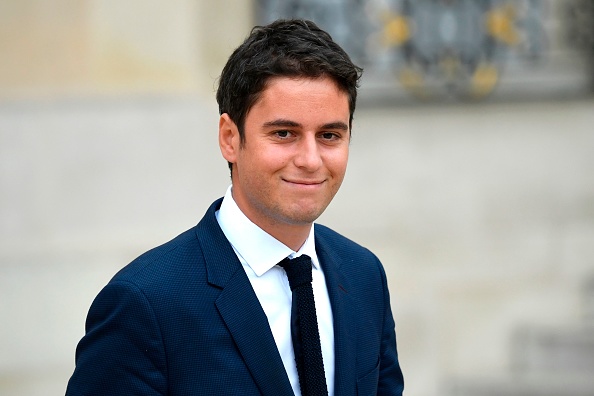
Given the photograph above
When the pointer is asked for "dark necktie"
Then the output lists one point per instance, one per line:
(304, 327)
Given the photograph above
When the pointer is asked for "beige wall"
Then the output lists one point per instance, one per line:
(88, 47)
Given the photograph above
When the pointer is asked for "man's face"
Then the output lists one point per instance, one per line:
(295, 153)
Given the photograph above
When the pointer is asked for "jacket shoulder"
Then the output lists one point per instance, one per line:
(333, 241)
(163, 259)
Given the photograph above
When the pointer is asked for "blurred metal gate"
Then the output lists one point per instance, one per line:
(458, 49)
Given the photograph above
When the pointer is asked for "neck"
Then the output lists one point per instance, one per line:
(293, 236)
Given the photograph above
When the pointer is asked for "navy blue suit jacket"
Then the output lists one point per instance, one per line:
(183, 319)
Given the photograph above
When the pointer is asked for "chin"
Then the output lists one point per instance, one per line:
(304, 217)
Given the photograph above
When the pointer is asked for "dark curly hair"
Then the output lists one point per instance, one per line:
(292, 48)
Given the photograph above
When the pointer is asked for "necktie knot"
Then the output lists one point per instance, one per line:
(298, 270)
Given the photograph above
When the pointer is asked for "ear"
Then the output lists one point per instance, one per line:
(228, 138)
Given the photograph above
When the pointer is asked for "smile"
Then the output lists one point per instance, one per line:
(304, 183)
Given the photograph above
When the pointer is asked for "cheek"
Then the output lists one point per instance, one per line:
(337, 163)
(272, 160)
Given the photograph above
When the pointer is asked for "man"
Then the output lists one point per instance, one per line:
(210, 312)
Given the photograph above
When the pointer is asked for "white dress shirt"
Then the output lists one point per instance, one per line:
(259, 253)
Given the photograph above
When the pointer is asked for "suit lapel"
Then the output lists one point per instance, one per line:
(342, 310)
(248, 325)
(240, 309)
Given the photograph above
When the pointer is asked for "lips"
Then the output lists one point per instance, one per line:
(305, 182)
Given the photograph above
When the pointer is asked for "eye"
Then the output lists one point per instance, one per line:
(283, 134)
(330, 136)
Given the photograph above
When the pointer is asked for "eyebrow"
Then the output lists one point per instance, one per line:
(336, 125)
(288, 123)
(281, 123)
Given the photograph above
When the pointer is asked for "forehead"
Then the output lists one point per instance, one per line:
(297, 92)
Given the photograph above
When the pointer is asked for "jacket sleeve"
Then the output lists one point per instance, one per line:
(391, 381)
(122, 352)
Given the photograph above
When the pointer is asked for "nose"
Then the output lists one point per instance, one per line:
(308, 156)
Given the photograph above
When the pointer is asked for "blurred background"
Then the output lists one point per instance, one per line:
(471, 172)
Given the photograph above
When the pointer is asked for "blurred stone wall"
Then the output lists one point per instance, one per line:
(90, 47)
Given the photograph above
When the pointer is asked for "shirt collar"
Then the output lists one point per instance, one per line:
(260, 250)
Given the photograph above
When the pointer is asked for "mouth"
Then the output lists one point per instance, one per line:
(304, 183)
